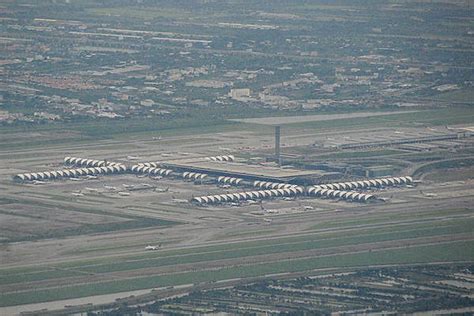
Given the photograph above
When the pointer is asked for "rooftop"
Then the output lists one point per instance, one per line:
(240, 169)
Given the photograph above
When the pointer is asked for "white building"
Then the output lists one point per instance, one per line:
(239, 93)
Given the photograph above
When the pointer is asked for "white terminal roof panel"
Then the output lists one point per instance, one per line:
(240, 169)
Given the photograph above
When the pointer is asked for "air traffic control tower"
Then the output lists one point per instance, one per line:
(277, 145)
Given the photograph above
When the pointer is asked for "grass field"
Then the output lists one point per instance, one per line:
(444, 116)
(363, 227)
(377, 219)
(462, 96)
(321, 240)
(456, 251)
(51, 201)
(278, 248)
(448, 175)
(199, 123)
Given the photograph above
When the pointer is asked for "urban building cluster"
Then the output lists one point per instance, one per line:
(89, 65)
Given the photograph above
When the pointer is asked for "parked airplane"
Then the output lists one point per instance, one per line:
(428, 194)
(272, 211)
(149, 247)
(38, 182)
(267, 210)
(180, 200)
